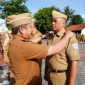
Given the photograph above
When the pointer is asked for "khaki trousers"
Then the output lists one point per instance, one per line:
(59, 78)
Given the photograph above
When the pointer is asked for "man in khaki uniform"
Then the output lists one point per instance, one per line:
(36, 35)
(23, 54)
(62, 67)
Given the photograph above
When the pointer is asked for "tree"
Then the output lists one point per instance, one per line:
(9, 7)
(44, 19)
(77, 19)
(69, 12)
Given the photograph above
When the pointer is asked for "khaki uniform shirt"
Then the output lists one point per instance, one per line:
(23, 57)
(35, 34)
(71, 52)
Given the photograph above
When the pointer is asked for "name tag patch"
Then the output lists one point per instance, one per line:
(75, 46)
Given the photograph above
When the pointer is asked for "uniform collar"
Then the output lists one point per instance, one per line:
(18, 37)
(61, 33)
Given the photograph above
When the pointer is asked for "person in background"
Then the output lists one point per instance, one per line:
(4, 61)
(36, 35)
(83, 34)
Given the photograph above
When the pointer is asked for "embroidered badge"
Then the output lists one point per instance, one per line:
(75, 46)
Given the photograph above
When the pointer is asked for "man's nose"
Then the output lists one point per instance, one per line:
(52, 23)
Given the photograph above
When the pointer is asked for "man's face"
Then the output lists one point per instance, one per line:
(28, 30)
(58, 24)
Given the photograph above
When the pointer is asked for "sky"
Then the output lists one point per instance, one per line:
(77, 5)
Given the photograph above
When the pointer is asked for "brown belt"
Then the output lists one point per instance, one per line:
(58, 71)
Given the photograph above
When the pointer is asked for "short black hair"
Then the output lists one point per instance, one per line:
(15, 30)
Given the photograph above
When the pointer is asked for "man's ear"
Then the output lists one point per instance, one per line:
(64, 22)
(21, 30)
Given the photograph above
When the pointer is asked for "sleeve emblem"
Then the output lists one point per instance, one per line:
(75, 46)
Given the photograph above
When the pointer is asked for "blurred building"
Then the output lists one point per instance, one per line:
(79, 30)
(76, 28)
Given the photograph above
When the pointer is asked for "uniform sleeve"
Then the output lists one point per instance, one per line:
(35, 51)
(73, 49)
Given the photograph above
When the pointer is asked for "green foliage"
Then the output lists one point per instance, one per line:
(9, 7)
(69, 12)
(77, 19)
(44, 19)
